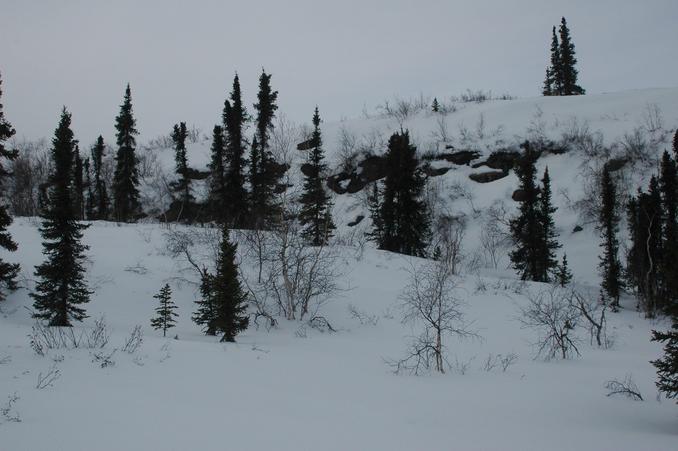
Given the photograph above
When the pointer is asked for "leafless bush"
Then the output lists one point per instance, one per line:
(134, 341)
(447, 242)
(653, 121)
(8, 411)
(347, 149)
(43, 338)
(30, 171)
(441, 134)
(626, 387)
(48, 379)
(555, 318)
(579, 137)
(493, 240)
(362, 317)
(593, 312)
(103, 359)
(480, 96)
(431, 300)
(321, 324)
(499, 361)
(462, 366)
(402, 109)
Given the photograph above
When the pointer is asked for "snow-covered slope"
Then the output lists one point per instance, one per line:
(294, 387)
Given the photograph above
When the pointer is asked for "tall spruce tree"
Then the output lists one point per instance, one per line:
(553, 84)
(61, 287)
(78, 186)
(608, 225)
(101, 203)
(316, 210)
(182, 186)
(403, 213)
(549, 238)
(374, 205)
(206, 313)
(668, 185)
(90, 200)
(217, 181)
(675, 145)
(262, 177)
(230, 300)
(165, 312)
(8, 271)
(126, 178)
(235, 119)
(667, 366)
(526, 229)
(568, 61)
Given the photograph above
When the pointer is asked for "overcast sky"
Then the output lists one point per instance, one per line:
(180, 57)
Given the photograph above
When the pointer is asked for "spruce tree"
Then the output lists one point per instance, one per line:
(403, 213)
(230, 300)
(563, 273)
(568, 61)
(608, 225)
(61, 287)
(374, 205)
(8, 271)
(217, 181)
(183, 185)
(78, 186)
(101, 203)
(667, 366)
(235, 118)
(316, 214)
(435, 107)
(165, 311)
(206, 314)
(549, 242)
(126, 179)
(263, 179)
(675, 145)
(90, 201)
(528, 255)
(668, 184)
(554, 73)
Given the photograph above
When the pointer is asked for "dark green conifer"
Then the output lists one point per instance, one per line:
(568, 61)
(230, 300)
(316, 209)
(78, 186)
(90, 201)
(206, 314)
(526, 229)
(435, 106)
(235, 119)
(667, 366)
(126, 178)
(182, 186)
(61, 288)
(668, 185)
(549, 236)
(563, 273)
(101, 203)
(262, 175)
(608, 225)
(217, 181)
(8, 271)
(403, 213)
(165, 311)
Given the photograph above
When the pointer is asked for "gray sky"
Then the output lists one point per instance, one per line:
(180, 57)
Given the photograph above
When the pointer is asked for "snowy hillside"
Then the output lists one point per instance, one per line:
(298, 387)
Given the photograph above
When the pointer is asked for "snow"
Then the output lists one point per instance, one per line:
(294, 387)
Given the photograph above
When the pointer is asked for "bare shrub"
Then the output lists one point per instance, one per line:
(47, 379)
(493, 240)
(593, 312)
(134, 340)
(499, 361)
(8, 411)
(431, 300)
(362, 317)
(626, 387)
(555, 318)
(43, 338)
(103, 359)
(401, 109)
(347, 149)
(30, 171)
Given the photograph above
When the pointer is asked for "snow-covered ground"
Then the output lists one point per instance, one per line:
(294, 387)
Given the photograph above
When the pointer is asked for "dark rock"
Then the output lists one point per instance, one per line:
(463, 157)
(615, 164)
(335, 181)
(518, 195)
(281, 188)
(194, 174)
(356, 221)
(306, 169)
(371, 169)
(501, 160)
(487, 177)
(434, 172)
(306, 145)
(577, 229)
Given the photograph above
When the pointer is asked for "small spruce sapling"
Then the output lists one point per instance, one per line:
(165, 311)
